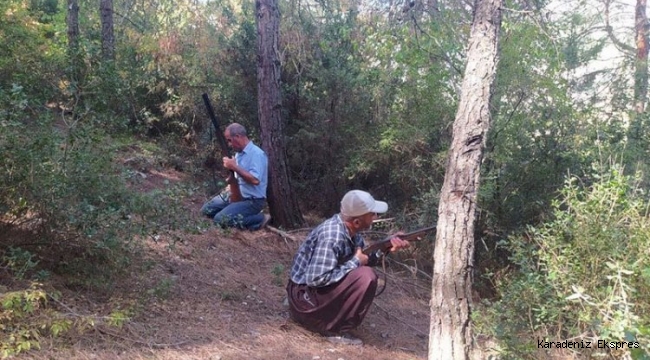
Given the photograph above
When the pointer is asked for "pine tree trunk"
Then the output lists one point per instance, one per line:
(282, 203)
(75, 73)
(641, 75)
(450, 332)
(108, 38)
(72, 20)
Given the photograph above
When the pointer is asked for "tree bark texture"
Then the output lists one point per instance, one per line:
(282, 203)
(641, 68)
(108, 38)
(74, 53)
(450, 332)
(72, 20)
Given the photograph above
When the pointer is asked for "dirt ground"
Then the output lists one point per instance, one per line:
(220, 295)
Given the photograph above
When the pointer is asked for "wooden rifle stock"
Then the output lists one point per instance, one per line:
(233, 184)
(385, 245)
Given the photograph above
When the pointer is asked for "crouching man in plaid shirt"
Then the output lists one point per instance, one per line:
(332, 284)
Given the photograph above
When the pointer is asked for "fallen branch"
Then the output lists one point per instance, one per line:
(383, 220)
(284, 234)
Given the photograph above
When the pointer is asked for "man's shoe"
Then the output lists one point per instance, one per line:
(345, 339)
(266, 220)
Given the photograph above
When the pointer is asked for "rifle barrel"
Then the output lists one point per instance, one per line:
(223, 144)
(384, 245)
(235, 192)
(413, 234)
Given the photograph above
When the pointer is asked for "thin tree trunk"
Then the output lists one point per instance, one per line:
(433, 8)
(108, 38)
(450, 332)
(72, 20)
(282, 203)
(74, 54)
(641, 69)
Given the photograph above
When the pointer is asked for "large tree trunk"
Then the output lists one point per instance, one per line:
(450, 332)
(282, 203)
(108, 38)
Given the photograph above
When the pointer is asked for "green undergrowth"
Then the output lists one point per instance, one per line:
(73, 216)
(29, 315)
(582, 277)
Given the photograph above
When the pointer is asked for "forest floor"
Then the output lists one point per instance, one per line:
(220, 294)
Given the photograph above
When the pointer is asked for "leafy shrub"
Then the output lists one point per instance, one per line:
(61, 186)
(24, 318)
(18, 261)
(582, 276)
(65, 209)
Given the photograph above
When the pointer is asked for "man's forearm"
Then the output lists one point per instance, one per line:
(248, 177)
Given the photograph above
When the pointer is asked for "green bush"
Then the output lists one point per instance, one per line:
(18, 261)
(25, 317)
(583, 276)
(61, 186)
(67, 207)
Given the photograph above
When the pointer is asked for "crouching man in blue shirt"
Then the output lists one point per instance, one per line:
(332, 284)
(250, 167)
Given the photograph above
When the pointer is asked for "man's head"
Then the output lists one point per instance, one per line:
(359, 209)
(236, 136)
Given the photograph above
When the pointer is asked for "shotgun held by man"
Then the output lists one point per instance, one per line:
(385, 245)
(233, 184)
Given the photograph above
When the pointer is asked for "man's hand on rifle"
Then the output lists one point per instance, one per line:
(230, 163)
(374, 257)
(363, 258)
(397, 243)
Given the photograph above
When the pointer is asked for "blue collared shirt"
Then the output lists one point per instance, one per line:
(327, 255)
(254, 160)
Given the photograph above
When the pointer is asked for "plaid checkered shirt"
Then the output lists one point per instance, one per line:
(326, 256)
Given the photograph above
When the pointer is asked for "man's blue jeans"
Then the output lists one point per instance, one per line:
(245, 214)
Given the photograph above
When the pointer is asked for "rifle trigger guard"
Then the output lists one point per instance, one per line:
(374, 257)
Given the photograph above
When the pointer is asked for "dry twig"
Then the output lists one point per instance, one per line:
(285, 235)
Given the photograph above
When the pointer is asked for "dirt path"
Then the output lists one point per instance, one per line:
(219, 295)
